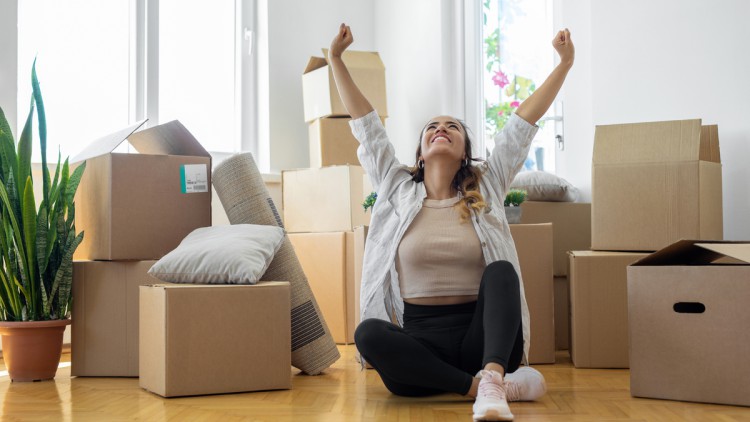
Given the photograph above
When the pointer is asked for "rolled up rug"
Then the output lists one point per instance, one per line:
(245, 198)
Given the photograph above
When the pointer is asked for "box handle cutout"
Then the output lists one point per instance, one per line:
(689, 308)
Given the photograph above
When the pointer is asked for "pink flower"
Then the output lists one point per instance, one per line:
(515, 104)
(500, 113)
(500, 79)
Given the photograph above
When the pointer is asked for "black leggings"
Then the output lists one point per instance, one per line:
(440, 348)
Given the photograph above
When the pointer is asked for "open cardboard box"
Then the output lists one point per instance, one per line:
(689, 323)
(320, 95)
(141, 206)
(655, 183)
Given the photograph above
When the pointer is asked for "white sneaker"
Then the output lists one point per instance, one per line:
(526, 384)
(490, 404)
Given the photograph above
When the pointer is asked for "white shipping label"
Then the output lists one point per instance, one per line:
(194, 178)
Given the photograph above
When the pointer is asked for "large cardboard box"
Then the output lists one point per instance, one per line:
(141, 206)
(321, 97)
(330, 262)
(599, 308)
(534, 247)
(689, 318)
(327, 199)
(655, 183)
(571, 227)
(212, 339)
(562, 313)
(104, 336)
(332, 142)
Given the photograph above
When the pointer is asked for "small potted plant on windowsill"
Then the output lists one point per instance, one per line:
(513, 200)
(36, 250)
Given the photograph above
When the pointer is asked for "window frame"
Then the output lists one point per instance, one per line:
(144, 70)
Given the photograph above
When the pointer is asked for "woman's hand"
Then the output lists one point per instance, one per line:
(341, 41)
(564, 47)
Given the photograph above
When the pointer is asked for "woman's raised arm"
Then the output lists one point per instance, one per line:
(356, 103)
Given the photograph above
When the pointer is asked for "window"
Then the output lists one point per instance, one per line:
(82, 52)
(105, 65)
(518, 57)
(196, 70)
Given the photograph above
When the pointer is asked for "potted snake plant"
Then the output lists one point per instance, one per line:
(36, 250)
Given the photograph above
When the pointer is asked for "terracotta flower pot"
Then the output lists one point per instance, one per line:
(32, 349)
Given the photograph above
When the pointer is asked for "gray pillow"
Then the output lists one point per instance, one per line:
(236, 254)
(543, 186)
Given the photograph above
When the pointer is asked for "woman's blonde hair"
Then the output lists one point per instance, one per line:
(466, 180)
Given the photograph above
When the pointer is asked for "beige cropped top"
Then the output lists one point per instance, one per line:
(439, 255)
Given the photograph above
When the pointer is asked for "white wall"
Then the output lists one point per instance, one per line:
(298, 29)
(643, 61)
(574, 162)
(418, 60)
(9, 60)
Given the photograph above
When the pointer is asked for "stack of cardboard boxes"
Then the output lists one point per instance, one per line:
(653, 184)
(134, 209)
(571, 230)
(322, 204)
(686, 303)
(534, 246)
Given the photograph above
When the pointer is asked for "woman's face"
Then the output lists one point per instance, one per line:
(443, 135)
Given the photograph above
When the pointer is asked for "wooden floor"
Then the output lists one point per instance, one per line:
(344, 393)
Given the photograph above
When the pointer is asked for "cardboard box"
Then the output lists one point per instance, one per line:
(534, 247)
(321, 97)
(104, 336)
(599, 308)
(571, 227)
(141, 206)
(689, 319)
(332, 142)
(655, 183)
(327, 199)
(242, 344)
(562, 313)
(330, 262)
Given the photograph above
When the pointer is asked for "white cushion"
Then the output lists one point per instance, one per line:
(543, 186)
(235, 254)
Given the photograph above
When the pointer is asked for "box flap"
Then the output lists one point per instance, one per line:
(655, 142)
(739, 251)
(352, 59)
(360, 59)
(171, 138)
(710, 144)
(696, 252)
(107, 144)
(315, 63)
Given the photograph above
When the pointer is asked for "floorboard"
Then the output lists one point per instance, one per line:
(343, 393)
